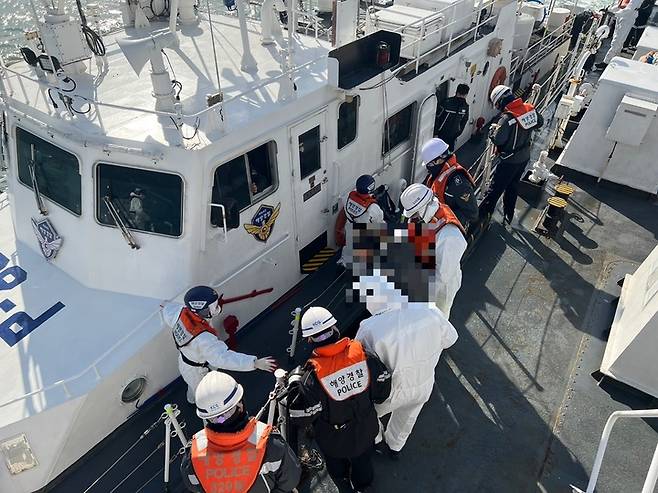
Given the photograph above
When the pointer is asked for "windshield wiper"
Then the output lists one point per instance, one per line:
(32, 165)
(119, 222)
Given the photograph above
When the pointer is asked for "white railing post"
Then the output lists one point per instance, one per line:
(652, 475)
(294, 332)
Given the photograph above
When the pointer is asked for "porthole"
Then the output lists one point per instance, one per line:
(133, 390)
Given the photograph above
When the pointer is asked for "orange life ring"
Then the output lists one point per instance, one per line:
(499, 78)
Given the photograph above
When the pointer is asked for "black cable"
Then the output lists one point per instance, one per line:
(176, 83)
(94, 41)
(67, 80)
(83, 19)
(180, 129)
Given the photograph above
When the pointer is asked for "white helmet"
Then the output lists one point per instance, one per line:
(419, 201)
(497, 93)
(317, 320)
(433, 149)
(217, 394)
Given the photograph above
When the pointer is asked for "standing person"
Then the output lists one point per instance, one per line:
(234, 452)
(408, 337)
(199, 348)
(421, 205)
(643, 14)
(336, 391)
(452, 117)
(512, 137)
(360, 207)
(451, 183)
(625, 14)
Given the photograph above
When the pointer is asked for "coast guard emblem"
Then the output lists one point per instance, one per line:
(49, 241)
(263, 222)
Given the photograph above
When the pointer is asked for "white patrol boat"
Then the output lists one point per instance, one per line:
(195, 148)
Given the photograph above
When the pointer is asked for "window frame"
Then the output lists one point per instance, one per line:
(356, 126)
(97, 203)
(31, 189)
(411, 105)
(273, 151)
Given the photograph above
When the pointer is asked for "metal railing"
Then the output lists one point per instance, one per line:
(456, 37)
(652, 474)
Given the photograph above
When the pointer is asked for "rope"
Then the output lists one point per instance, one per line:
(160, 445)
(141, 437)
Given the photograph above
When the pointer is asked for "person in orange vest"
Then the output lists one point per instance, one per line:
(512, 137)
(234, 452)
(336, 392)
(199, 348)
(360, 207)
(421, 205)
(451, 183)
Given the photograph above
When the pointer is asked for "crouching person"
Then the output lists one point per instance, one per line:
(235, 452)
(336, 391)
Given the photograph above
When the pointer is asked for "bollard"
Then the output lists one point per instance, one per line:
(564, 191)
(554, 213)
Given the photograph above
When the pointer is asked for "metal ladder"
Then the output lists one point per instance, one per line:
(652, 474)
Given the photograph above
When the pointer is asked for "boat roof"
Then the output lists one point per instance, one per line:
(247, 95)
(58, 348)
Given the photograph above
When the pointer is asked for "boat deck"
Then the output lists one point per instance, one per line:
(515, 407)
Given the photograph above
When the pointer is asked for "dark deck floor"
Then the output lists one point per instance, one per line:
(515, 407)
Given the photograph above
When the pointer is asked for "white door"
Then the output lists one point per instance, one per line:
(311, 188)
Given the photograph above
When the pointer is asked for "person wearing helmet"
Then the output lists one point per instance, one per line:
(452, 117)
(360, 207)
(199, 348)
(512, 137)
(451, 183)
(235, 452)
(335, 392)
(406, 332)
(421, 205)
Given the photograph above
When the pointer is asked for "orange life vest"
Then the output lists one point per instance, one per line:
(357, 204)
(341, 369)
(188, 326)
(524, 113)
(438, 184)
(623, 3)
(229, 462)
(445, 216)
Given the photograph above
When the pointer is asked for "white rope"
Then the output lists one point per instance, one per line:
(214, 48)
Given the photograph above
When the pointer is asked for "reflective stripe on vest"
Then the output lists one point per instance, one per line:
(188, 326)
(445, 216)
(229, 462)
(357, 204)
(341, 369)
(439, 184)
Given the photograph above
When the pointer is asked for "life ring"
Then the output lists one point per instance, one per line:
(499, 78)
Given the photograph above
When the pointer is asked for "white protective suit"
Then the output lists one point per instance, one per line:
(204, 348)
(450, 247)
(624, 21)
(409, 339)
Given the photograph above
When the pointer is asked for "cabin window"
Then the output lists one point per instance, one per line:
(149, 201)
(56, 171)
(309, 152)
(397, 128)
(244, 180)
(348, 113)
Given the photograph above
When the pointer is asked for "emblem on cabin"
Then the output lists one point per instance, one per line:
(263, 221)
(49, 241)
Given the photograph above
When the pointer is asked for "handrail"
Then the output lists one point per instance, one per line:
(652, 474)
(239, 95)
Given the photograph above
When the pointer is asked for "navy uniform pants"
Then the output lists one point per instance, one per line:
(505, 182)
(358, 469)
